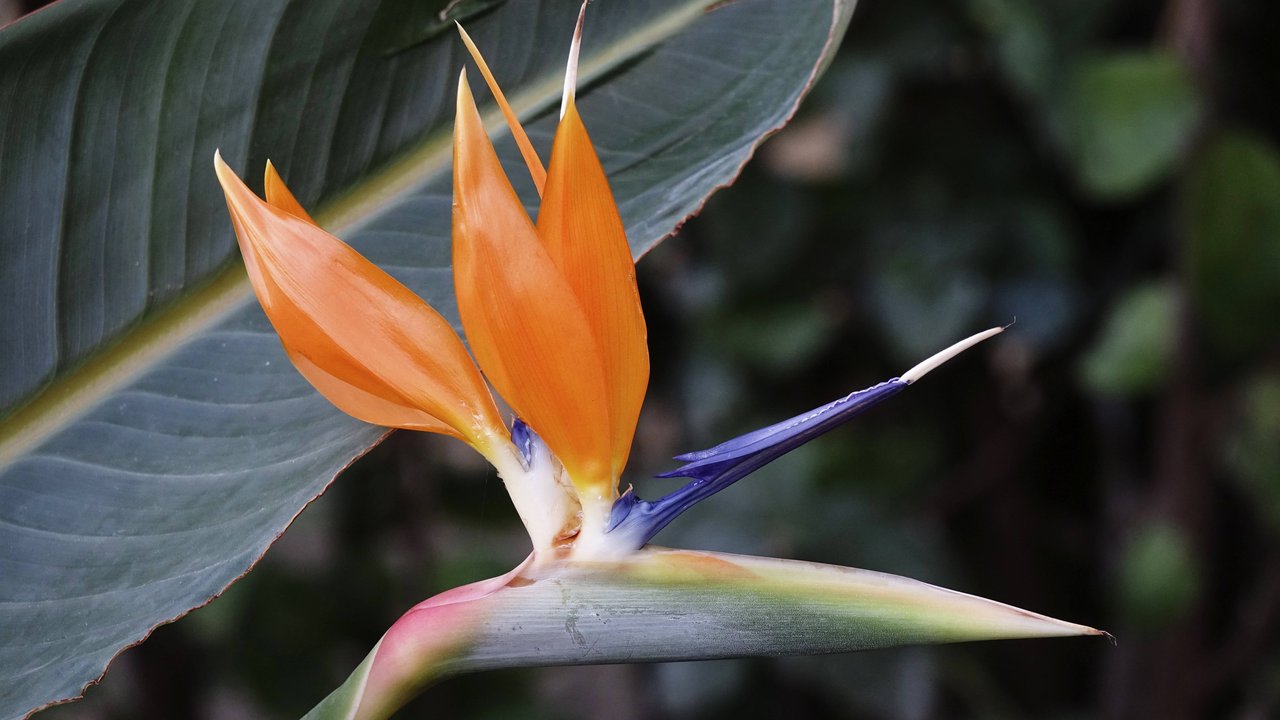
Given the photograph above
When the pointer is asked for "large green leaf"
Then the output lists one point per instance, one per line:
(157, 440)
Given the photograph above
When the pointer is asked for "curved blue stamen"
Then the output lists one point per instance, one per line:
(716, 468)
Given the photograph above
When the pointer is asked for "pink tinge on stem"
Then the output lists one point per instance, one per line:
(416, 649)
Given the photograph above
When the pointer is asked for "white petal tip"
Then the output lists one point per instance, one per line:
(937, 359)
(571, 67)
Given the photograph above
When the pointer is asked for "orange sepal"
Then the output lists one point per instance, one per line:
(365, 341)
(278, 194)
(524, 323)
(531, 160)
(579, 225)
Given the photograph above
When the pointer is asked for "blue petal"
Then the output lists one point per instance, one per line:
(523, 437)
(719, 467)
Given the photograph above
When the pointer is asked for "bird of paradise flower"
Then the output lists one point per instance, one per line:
(552, 314)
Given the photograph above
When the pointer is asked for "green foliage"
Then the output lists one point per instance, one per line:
(1023, 42)
(778, 338)
(1133, 352)
(1159, 578)
(1233, 248)
(1253, 452)
(1128, 120)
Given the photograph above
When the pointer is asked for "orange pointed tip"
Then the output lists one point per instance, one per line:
(536, 170)
(278, 194)
(221, 168)
(366, 342)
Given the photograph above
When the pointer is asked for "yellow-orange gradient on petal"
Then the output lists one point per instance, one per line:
(366, 342)
(579, 225)
(526, 326)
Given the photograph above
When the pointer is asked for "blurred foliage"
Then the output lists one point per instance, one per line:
(1253, 451)
(1158, 577)
(1233, 248)
(1105, 171)
(1129, 119)
(1132, 354)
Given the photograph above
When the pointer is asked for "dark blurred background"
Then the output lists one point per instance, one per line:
(1104, 170)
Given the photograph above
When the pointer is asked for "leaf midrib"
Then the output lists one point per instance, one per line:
(76, 391)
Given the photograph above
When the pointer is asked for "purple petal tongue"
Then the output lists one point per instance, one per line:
(806, 425)
(719, 467)
(716, 468)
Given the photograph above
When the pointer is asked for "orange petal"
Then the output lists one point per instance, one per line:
(278, 194)
(524, 323)
(531, 159)
(582, 232)
(365, 341)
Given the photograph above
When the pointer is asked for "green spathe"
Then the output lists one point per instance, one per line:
(662, 605)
